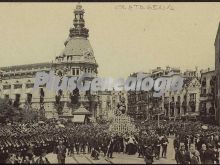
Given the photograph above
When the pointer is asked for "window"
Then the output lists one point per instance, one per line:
(17, 97)
(43, 85)
(192, 97)
(178, 98)
(29, 85)
(17, 86)
(6, 96)
(60, 73)
(75, 71)
(6, 86)
(204, 82)
(29, 98)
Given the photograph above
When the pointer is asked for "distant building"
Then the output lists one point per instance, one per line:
(139, 103)
(177, 105)
(172, 105)
(207, 96)
(217, 72)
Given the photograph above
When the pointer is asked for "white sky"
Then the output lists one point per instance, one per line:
(124, 41)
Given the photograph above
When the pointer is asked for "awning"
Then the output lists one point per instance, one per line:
(79, 118)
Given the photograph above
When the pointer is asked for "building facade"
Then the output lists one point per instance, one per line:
(76, 58)
(207, 96)
(171, 105)
(217, 72)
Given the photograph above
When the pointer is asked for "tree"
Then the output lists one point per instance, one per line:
(8, 112)
(58, 103)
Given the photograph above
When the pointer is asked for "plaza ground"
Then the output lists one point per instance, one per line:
(117, 158)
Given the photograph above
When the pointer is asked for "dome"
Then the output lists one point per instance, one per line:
(77, 46)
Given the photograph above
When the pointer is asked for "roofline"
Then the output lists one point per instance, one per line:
(218, 32)
(208, 72)
(25, 65)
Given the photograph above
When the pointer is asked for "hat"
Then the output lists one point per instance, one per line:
(210, 145)
(182, 144)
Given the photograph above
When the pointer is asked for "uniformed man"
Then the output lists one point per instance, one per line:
(77, 145)
(110, 148)
(61, 152)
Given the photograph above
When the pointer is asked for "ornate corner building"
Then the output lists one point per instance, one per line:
(171, 105)
(76, 58)
(217, 72)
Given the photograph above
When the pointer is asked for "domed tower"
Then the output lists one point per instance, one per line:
(77, 58)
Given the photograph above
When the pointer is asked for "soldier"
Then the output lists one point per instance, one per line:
(61, 153)
(110, 148)
(5, 152)
(30, 151)
(89, 144)
(77, 145)
(2, 155)
(12, 159)
(182, 155)
(95, 152)
(140, 147)
(164, 143)
(42, 159)
(148, 155)
(176, 143)
(104, 146)
(70, 146)
(83, 144)
(157, 145)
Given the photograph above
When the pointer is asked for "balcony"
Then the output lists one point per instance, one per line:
(166, 101)
(210, 96)
(192, 103)
(203, 83)
(178, 104)
(203, 95)
(172, 104)
(184, 104)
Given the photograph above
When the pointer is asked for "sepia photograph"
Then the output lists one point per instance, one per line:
(110, 83)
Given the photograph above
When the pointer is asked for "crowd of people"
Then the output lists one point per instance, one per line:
(26, 142)
(31, 142)
(194, 143)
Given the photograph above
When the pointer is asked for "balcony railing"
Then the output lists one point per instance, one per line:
(177, 104)
(184, 104)
(203, 83)
(203, 95)
(192, 103)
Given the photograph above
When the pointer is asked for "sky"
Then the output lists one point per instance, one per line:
(124, 40)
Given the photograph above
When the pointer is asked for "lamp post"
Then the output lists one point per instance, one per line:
(158, 119)
(158, 116)
(186, 119)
